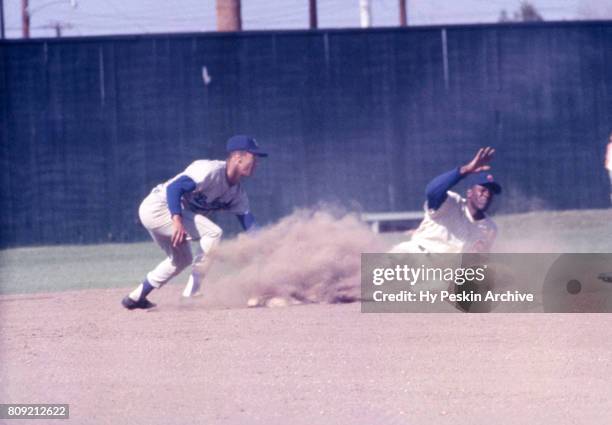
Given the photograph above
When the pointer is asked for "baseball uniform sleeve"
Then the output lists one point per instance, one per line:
(174, 192)
(201, 172)
(451, 203)
(436, 190)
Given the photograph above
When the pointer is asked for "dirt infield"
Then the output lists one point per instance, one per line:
(315, 364)
(200, 362)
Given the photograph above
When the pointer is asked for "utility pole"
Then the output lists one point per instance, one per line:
(313, 13)
(2, 19)
(403, 13)
(228, 15)
(365, 13)
(25, 19)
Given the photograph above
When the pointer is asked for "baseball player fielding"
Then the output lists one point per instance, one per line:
(178, 210)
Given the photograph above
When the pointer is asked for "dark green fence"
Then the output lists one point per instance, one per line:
(359, 118)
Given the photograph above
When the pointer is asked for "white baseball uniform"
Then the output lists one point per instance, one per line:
(450, 229)
(212, 193)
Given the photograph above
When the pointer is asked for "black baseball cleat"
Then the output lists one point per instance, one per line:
(143, 304)
(606, 277)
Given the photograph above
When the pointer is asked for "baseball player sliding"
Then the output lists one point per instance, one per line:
(454, 224)
(176, 211)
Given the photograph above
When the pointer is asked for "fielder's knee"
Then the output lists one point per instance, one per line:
(211, 240)
(217, 233)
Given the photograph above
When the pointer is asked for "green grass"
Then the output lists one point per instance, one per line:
(60, 268)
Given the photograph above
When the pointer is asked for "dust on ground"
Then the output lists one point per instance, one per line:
(311, 255)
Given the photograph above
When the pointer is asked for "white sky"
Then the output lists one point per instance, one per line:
(98, 17)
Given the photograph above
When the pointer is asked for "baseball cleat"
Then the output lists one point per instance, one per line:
(606, 277)
(143, 304)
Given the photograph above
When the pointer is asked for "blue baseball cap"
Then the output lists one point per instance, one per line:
(244, 143)
(486, 180)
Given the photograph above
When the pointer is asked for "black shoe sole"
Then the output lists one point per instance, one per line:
(606, 277)
(130, 304)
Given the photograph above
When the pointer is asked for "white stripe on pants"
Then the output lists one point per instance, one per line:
(156, 218)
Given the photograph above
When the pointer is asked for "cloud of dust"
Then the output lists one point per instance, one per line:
(513, 200)
(311, 255)
(524, 231)
(531, 236)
